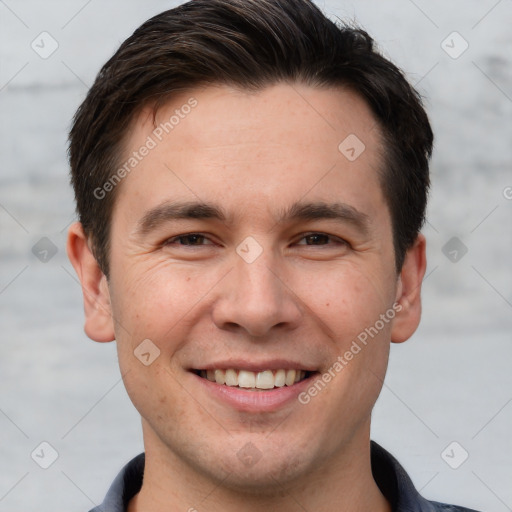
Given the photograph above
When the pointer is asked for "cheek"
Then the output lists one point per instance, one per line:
(346, 299)
(359, 313)
(149, 390)
(156, 302)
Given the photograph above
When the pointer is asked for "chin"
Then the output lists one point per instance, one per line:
(263, 473)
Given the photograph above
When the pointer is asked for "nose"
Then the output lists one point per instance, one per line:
(255, 298)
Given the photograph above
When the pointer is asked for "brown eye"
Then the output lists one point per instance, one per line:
(320, 239)
(188, 239)
(192, 239)
(316, 239)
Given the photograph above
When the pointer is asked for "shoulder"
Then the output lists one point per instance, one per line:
(398, 488)
(445, 507)
(126, 485)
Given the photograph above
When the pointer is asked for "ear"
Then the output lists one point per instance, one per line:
(409, 292)
(98, 314)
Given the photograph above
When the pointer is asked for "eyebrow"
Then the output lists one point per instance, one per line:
(319, 211)
(169, 211)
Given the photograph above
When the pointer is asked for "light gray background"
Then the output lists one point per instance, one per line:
(451, 382)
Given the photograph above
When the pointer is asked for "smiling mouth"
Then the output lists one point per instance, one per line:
(254, 381)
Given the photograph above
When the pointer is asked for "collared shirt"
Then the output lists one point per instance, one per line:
(390, 476)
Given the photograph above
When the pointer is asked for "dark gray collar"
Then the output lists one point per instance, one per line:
(390, 476)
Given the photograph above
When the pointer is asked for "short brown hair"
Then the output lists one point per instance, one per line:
(249, 44)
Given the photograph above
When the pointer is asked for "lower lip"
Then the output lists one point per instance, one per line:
(255, 401)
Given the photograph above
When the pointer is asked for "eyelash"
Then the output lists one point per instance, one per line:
(337, 240)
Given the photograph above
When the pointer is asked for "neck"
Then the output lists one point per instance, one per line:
(343, 483)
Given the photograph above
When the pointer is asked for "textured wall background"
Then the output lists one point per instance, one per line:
(450, 383)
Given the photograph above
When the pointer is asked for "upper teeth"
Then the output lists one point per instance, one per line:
(255, 380)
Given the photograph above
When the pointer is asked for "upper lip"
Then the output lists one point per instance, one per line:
(256, 366)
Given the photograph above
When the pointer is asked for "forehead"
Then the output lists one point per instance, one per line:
(255, 149)
(221, 113)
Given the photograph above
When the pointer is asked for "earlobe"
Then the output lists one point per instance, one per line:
(99, 325)
(409, 292)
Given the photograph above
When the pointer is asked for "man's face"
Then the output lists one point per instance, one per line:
(291, 260)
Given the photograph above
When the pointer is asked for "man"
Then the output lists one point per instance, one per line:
(251, 180)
